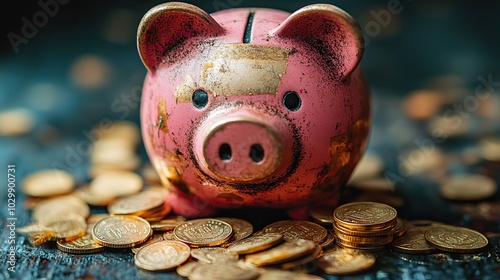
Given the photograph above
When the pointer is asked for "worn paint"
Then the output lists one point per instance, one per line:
(244, 69)
(184, 92)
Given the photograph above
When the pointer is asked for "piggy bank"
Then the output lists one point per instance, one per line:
(252, 107)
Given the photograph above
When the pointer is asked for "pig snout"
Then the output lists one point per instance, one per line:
(240, 149)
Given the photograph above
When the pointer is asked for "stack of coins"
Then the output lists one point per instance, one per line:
(364, 225)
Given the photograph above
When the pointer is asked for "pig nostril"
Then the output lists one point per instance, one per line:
(225, 152)
(257, 153)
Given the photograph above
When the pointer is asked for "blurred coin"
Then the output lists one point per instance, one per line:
(423, 104)
(54, 209)
(321, 215)
(224, 271)
(163, 255)
(365, 215)
(94, 218)
(114, 184)
(136, 203)
(279, 274)
(90, 72)
(345, 261)
(400, 229)
(71, 227)
(413, 242)
(186, 268)
(123, 129)
(456, 239)
(121, 231)
(203, 232)
(153, 239)
(329, 240)
(379, 184)
(370, 166)
(150, 175)
(49, 182)
(296, 229)
(467, 187)
(168, 235)
(256, 243)
(297, 263)
(213, 255)
(16, 122)
(287, 250)
(38, 238)
(85, 193)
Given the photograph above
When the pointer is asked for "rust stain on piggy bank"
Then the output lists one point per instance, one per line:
(252, 107)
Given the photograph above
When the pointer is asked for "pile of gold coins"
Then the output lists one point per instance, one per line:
(339, 241)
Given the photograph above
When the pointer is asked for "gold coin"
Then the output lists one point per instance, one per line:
(136, 203)
(153, 239)
(71, 227)
(163, 255)
(121, 231)
(295, 229)
(322, 215)
(167, 224)
(85, 193)
(490, 149)
(46, 183)
(156, 214)
(288, 250)
(345, 261)
(329, 240)
(213, 255)
(38, 238)
(367, 233)
(224, 271)
(16, 122)
(468, 187)
(168, 235)
(116, 183)
(413, 242)
(256, 243)
(279, 274)
(365, 215)
(57, 208)
(203, 232)
(241, 228)
(295, 263)
(400, 229)
(374, 240)
(123, 129)
(82, 245)
(456, 239)
(358, 246)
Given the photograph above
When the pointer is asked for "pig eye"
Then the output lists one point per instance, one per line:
(200, 99)
(292, 101)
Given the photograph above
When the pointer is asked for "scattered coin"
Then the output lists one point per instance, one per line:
(224, 271)
(278, 274)
(121, 231)
(153, 239)
(85, 193)
(287, 250)
(297, 263)
(345, 261)
(55, 209)
(241, 228)
(46, 183)
(256, 243)
(16, 122)
(468, 187)
(213, 255)
(114, 184)
(70, 228)
(163, 255)
(295, 229)
(413, 242)
(203, 232)
(186, 268)
(136, 204)
(490, 149)
(456, 239)
(167, 224)
(82, 245)
(322, 215)
(90, 72)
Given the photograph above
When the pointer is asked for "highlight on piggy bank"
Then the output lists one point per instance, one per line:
(252, 107)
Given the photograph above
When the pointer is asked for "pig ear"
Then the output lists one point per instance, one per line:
(167, 27)
(329, 31)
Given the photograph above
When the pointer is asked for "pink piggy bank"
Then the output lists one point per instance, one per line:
(252, 107)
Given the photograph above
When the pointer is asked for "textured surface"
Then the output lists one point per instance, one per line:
(420, 42)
